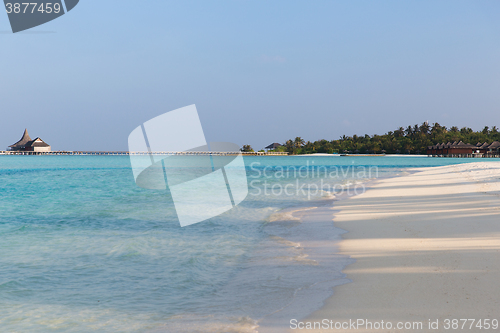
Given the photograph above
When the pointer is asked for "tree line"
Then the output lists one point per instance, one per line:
(410, 140)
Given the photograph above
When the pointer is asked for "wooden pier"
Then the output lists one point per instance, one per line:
(135, 153)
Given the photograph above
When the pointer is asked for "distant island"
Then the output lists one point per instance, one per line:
(410, 140)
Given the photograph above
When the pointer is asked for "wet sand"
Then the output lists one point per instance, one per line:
(427, 248)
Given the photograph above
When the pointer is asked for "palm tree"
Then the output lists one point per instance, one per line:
(247, 149)
(290, 147)
(399, 132)
(424, 128)
(466, 130)
(409, 131)
(416, 129)
(298, 142)
(436, 129)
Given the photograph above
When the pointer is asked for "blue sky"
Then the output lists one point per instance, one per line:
(258, 71)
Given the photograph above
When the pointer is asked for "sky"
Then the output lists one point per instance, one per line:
(258, 71)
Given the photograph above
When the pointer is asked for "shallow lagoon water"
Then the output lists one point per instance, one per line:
(82, 248)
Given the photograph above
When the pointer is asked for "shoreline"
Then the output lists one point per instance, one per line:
(318, 245)
(410, 268)
(312, 230)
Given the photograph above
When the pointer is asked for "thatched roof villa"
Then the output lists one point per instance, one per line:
(27, 144)
(460, 149)
(273, 146)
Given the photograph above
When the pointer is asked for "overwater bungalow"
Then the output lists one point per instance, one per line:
(460, 149)
(494, 149)
(29, 145)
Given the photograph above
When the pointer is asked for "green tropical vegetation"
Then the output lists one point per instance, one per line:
(410, 140)
(247, 149)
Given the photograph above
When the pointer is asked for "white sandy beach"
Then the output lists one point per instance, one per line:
(427, 247)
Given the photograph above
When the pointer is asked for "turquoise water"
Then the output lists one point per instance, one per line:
(83, 249)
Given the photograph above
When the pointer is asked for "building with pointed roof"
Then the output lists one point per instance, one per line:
(27, 144)
(19, 145)
(462, 149)
(273, 146)
(494, 148)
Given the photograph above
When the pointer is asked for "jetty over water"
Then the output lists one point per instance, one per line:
(145, 153)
